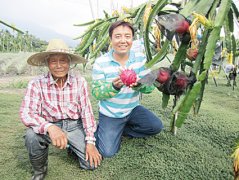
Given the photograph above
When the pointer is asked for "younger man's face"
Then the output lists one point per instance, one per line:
(122, 39)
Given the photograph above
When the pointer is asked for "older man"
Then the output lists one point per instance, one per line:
(57, 110)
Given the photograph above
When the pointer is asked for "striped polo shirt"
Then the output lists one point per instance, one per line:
(107, 69)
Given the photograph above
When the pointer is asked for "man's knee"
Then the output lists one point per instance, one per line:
(30, 137)
(108, 154)
(157, 126)
(34, 143)
(108, 147)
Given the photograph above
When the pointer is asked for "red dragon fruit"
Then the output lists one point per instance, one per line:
(192, 53)
(163, 75)
(182, 27)
(181, 81)
(128, 76)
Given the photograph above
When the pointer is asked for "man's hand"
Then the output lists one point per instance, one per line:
(58, 137)
(118, 83)
(135, 84)
(93, 155)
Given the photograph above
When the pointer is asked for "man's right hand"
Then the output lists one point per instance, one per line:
(58, 137)
(118, 83)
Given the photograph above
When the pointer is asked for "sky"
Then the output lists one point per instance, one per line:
(47, 19)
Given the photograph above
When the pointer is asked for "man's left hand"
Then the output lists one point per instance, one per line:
(93, 155)
(135, 84)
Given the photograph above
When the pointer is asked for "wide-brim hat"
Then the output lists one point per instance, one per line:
(55, 46)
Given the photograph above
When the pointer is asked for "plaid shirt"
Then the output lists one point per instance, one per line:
(45, 102)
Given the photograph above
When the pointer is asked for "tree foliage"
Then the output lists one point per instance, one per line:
(13, 39)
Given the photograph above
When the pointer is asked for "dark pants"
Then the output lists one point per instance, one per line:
(139, 123)
(37, 144)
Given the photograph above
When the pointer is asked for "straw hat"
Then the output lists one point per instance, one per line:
(55, 46)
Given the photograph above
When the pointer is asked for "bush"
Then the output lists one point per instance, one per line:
(11, 70)
(22, 84)
(1, 71)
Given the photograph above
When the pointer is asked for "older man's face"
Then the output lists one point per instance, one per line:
(58, 65)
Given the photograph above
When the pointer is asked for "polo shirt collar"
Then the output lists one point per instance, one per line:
(131, 56)
(51, 81)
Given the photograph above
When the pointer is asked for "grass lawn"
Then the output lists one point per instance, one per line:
(200, 150)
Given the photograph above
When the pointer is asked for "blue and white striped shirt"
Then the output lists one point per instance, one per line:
(107, 69)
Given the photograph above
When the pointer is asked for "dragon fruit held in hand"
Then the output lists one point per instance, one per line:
(128, 76)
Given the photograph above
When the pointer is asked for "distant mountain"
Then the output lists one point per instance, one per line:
(47, 34)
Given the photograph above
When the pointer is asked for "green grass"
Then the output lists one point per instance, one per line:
(201, 149)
